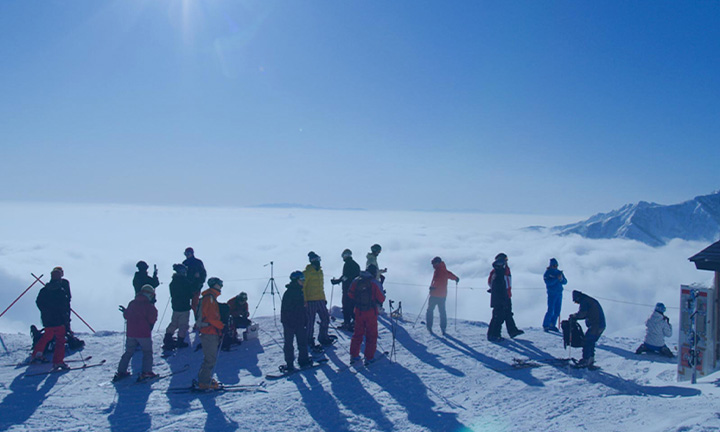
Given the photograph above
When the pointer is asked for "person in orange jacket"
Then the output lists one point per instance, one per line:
(438, 294)
(211, 327)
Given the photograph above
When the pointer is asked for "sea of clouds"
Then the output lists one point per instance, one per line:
(98, 246)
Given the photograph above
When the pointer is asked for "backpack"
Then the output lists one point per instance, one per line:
(363, 295)
(572, 334)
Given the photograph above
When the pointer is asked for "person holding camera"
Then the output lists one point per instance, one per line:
(658, 327)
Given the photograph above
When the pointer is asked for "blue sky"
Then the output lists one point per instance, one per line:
(531, 107)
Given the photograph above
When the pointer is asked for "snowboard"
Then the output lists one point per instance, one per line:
(316, 364)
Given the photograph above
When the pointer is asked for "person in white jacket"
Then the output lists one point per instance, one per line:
(658, 328)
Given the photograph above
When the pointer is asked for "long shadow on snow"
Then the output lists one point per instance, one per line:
(417, 349)
(622, 386)
(320, 404)
(18, 406)
(244, 357)
(630, 355)
(129, 413)
(410, 392)
(348, 389)
(492, 363)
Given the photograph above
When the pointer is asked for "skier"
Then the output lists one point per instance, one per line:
(351, 270)
(554, 281)
(142, 277)
(314, 292)
(211, 326)
(294, 321)
(54, 303)
(196, 274)
(372, 260)
(500, 282)
(591, 311)
(658, 328)
(141, 315)
(368, 296)
(438, 293)
(181, 294)
(57, 276)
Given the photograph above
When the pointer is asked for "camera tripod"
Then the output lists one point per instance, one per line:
(273, 290)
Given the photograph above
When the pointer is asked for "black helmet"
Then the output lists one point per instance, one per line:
(297, 274)
(436, 260)
(312, 256)
(347, 253)
(376, 248)
(501, 256)
(141, 265)
(215, 281)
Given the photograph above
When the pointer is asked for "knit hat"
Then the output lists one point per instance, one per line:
(660, 308)
(147, 288)
(242, 297)
(553, 262)
(346, 253)
(312, 256)
(376, 248)
(189, 251)
(141, 265)
(297, 275)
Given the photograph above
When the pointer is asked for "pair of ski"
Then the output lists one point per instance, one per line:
(43, 361)
(51, 371)
(224, 388)
(316, 363)
(518, 364)
(158, 377)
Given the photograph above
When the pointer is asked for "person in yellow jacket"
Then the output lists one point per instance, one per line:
(315, 302)
(211, 327)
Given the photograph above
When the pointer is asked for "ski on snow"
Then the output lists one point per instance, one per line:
(51, 371)
(518, 363)
(259, 387)
(316, 363)
(43, 361)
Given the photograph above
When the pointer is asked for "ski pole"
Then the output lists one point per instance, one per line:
(163, 316)
(23, 293)
(332, 293)
(3, 344)
(456, 298)
(421, 309)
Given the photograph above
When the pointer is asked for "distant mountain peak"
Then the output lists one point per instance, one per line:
(654, 224)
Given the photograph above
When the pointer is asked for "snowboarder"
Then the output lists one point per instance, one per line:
(314, 292)
(372, 260)
(500, 282)
(351, 270)
(294, 320)
(438, 293)
(658, 328)
(142, 277)
(141, 315)
(554, 281)
(181, 294)
(211, 327)
(591, 311)
(196, 274)
(53, 300)
(368, 296)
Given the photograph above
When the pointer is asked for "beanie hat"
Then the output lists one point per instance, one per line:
(346, 253)
(553, 262)
(297, 274)
(436, 260)
(189, 251)
(660, 308)
(242, 297)
(312, 256)
(141, 265)
(215, 281)
(375, 248)
(576, 296)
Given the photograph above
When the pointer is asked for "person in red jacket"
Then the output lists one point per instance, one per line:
(211, 327)
(438, 293)
(368, 296)
(141, 315)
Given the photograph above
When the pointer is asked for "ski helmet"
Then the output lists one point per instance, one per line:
(376, 248)
(189, 251)
(660, 308)
(347, 253)
(297, 275)
(312, 256)
(242, 297)
(180, 268)
(436, 260)
(141, 265)
(215, 281)
(553, 262)
(147, 288)
(501, 256)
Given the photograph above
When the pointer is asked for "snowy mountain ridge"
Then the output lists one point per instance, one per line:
(654, 224)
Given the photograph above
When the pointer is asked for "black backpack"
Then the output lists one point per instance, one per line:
(363, 295)
(572, 334)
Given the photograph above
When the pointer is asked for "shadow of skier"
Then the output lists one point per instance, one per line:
(244, 357)
(321, 406)
(129, 413)
(216, 419)
(18, 406)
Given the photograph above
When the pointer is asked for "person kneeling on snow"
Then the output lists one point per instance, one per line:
(211, 327)
(591, 311)
(294, 321)
(368, 296)
(141, 315)
(658, 328)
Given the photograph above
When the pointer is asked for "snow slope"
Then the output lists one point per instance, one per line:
(457, 383)
(654, 224)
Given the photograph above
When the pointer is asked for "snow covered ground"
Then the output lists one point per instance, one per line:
(461, 382)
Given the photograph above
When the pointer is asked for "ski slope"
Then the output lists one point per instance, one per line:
(454, 383)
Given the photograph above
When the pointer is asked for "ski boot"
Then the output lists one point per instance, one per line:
(120, 375)
(62, 366)
(169, 343)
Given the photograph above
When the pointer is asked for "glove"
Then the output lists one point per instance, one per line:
(457, 281)
(571, 317)
(121, 308)
(432, 288)
(335, 281)
(667, 320)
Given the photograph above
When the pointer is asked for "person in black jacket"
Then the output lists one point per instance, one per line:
(196, 274)
(181, 294)
(142, 277)
(294, 321)
(54, 305)
(351, 270)
(499, 281)
(591, 311)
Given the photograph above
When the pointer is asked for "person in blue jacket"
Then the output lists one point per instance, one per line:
(554, 281)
